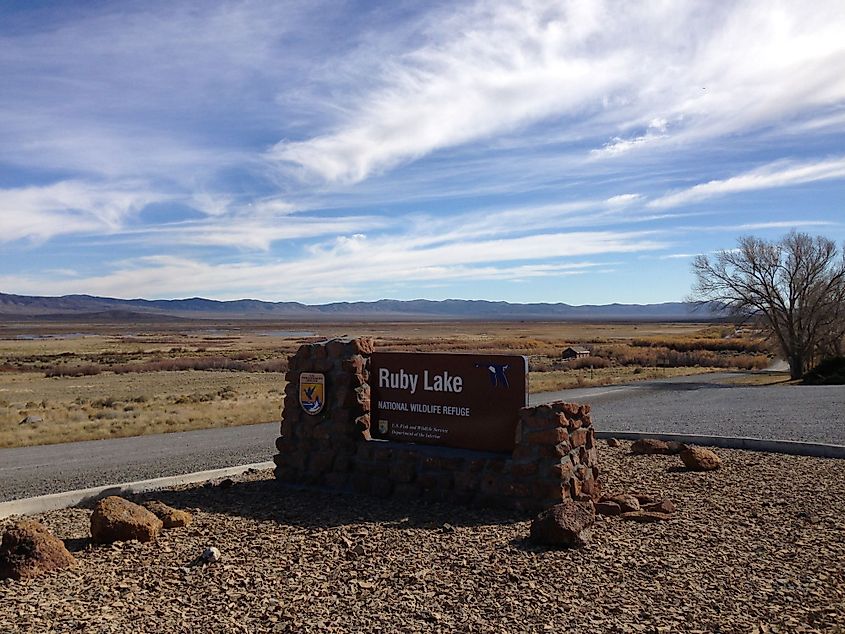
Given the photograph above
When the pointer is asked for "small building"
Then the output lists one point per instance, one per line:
(574, 353)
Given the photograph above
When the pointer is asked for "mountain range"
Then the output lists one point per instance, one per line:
(87, 307)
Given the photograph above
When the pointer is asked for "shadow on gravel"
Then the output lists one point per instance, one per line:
(269, 500)
(681, 469)
(527, 546)
(77, 544)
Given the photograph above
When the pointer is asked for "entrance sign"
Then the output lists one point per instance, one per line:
(470, 401)
(312, 392)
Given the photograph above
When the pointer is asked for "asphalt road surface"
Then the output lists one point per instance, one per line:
(703, 404)
(31, 471)
(711, 404)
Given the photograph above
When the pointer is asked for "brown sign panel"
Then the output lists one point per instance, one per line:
(470, 401)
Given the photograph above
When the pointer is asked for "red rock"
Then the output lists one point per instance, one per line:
(570, 409)
(169, 516)
(664, 506)
(353, 364)
(364, 345)
(115, 519)
(560, 450)
(533, 422)
(563, 525)
(28, 549)
(644, 498)
(626, 502)
(578, 437)
(546, 437)
(608, 508)
(699, 459)
(649, 446)
(673, 447)
(563, 470)
(592, 488)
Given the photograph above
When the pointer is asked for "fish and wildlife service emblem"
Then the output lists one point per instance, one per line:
(312, 392)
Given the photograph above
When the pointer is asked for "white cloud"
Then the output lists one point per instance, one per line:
(677, 256)
(618, 146)
(624, 199)
(272, 207)
(246, 233)
(344, 267)
(671, 70)
(67, 207)
(211, 204)
(777, 174)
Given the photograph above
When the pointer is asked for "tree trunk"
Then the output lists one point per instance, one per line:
(796, 366)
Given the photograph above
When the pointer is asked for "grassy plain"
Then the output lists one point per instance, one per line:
(85, 381)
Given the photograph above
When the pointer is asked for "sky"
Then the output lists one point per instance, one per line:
(578, 151)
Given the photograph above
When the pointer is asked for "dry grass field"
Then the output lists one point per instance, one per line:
(86, 381)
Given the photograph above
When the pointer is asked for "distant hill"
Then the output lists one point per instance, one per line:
(109, 309)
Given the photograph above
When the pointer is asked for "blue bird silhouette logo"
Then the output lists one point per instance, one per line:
(497, 374)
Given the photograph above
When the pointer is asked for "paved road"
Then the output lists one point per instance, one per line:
(31, 471)
(704, 404)
(711, 404)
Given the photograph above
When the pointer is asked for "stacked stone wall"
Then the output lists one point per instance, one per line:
(554, 455)
(312, 447)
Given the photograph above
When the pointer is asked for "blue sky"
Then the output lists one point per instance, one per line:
(574, 151)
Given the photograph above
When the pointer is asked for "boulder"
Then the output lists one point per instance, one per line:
(115, 519)
(169, 516)
(28, 549)
(649, 446)
(32, 419)
(563, 525)
(613, 442)
(699, 459)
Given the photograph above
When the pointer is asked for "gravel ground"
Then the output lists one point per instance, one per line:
(758, 546)
(711, 405)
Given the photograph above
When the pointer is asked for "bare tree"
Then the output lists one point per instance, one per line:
(795, 287)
